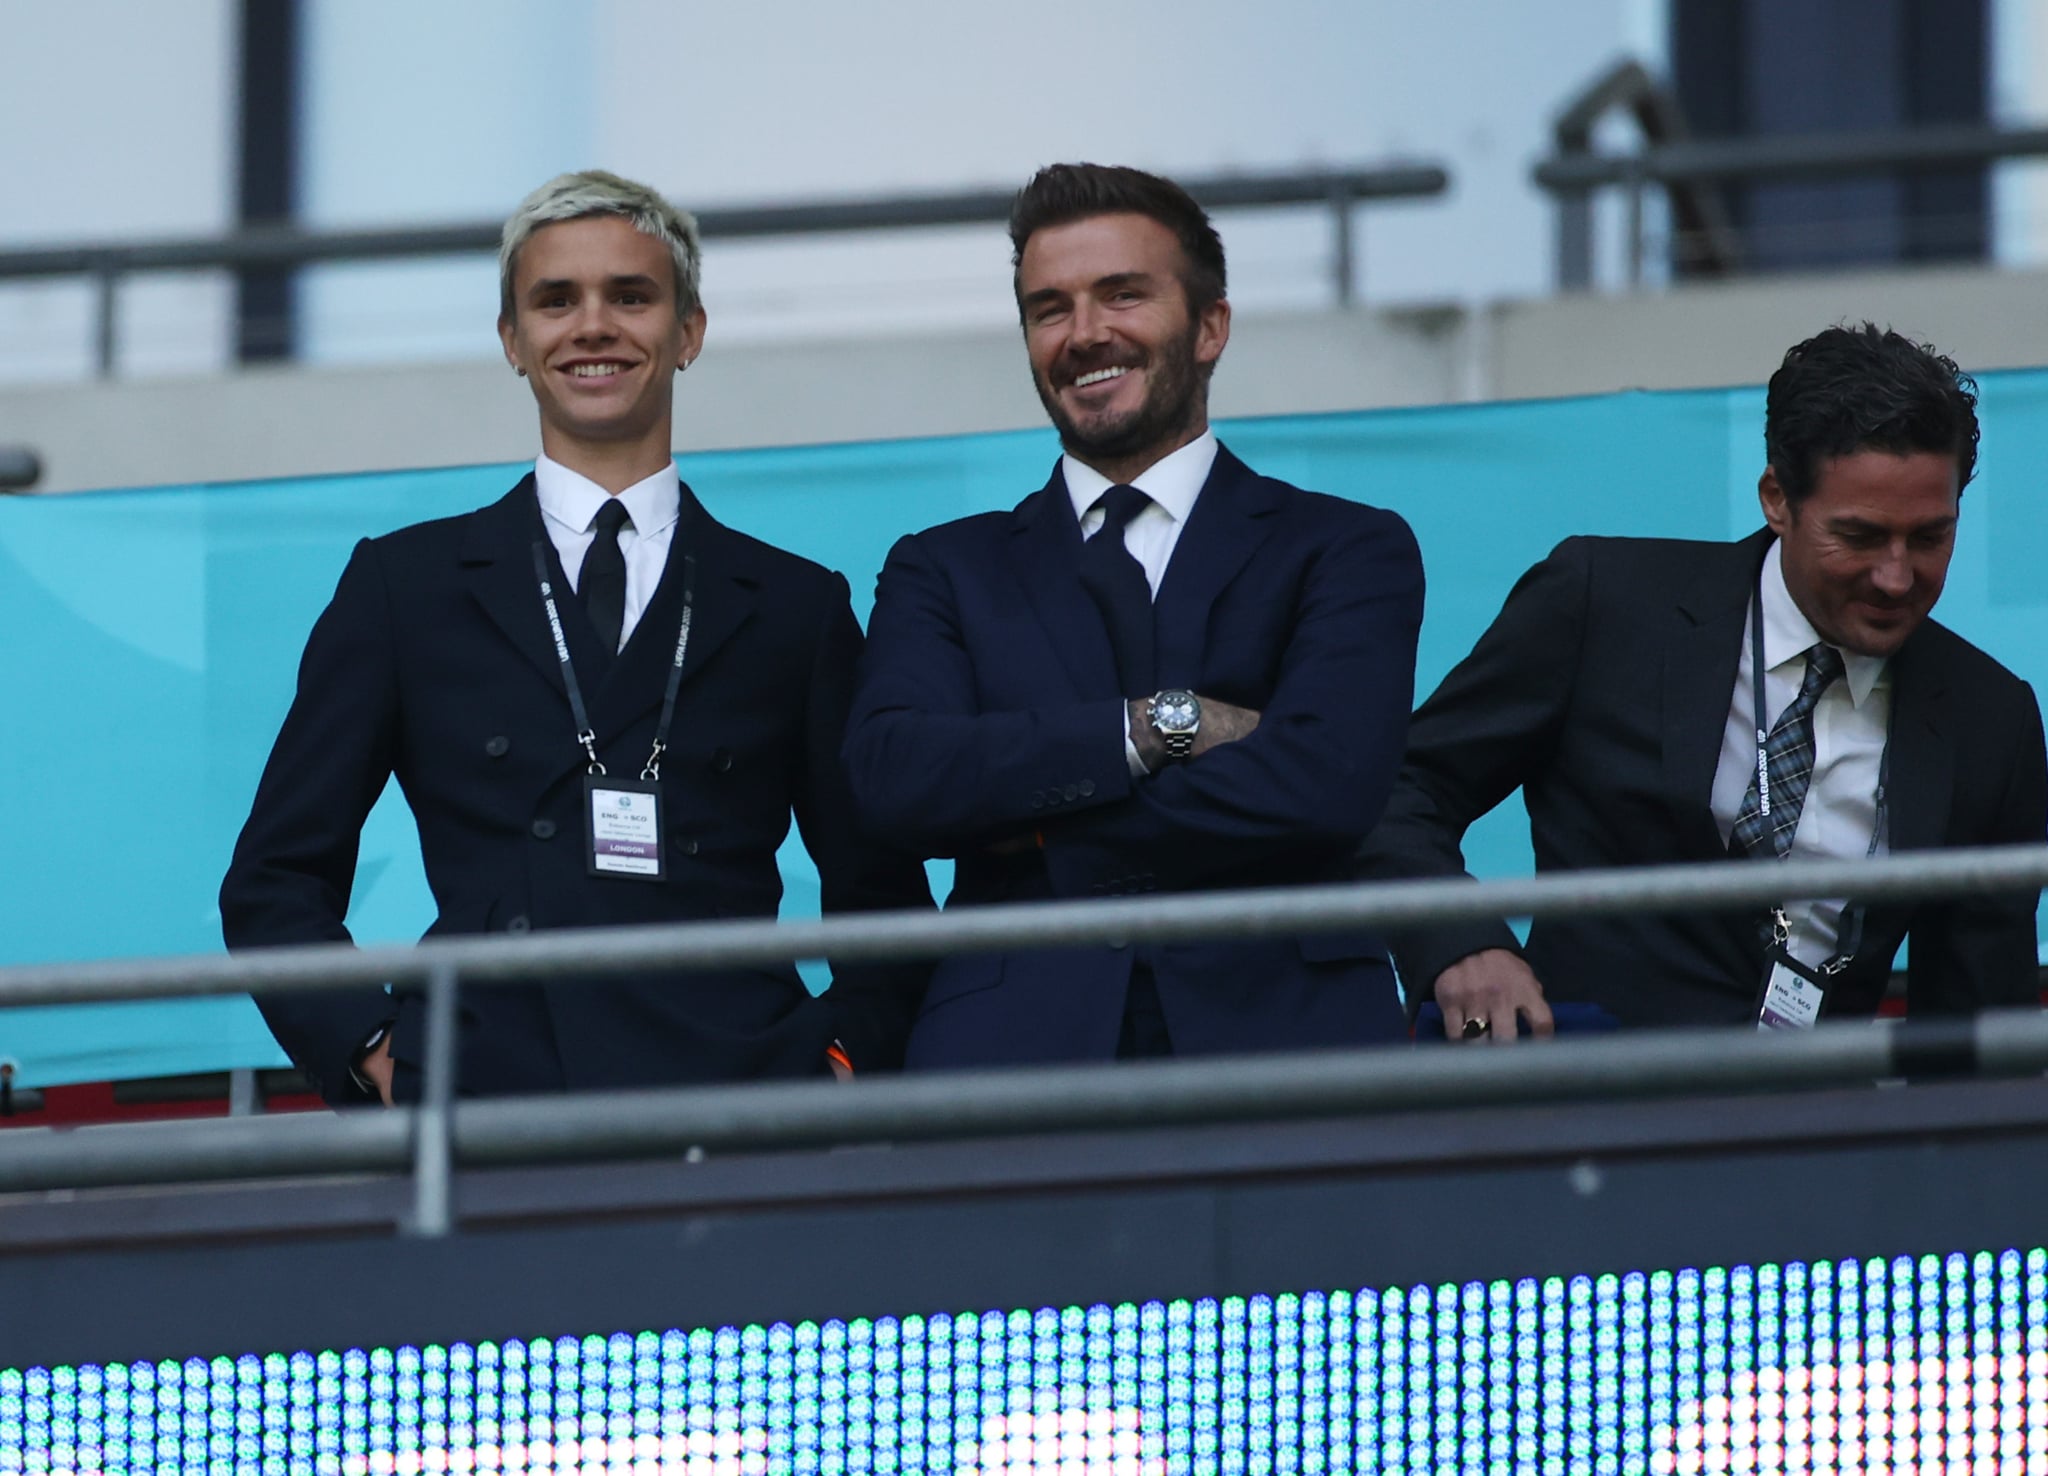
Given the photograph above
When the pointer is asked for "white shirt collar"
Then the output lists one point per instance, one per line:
(1789, 635)
(1174, 482)
(572, 499)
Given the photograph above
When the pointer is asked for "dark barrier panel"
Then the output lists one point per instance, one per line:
(1843, 1280)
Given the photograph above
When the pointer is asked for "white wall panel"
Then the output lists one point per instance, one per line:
(431, 113)
(117, 121)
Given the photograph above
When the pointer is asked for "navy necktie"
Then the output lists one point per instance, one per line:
(1788, 754)
(603, 583)
(1121, 592)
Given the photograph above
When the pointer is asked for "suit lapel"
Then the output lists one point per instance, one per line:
(1920, 788)
(496, 555)
(728, 581)
(1046, 544)
(1700, 665)
(1230, 519)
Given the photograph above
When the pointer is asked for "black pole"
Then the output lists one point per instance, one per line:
(1709, 39)
(267, 183)
(1947, 65)
(1763, 69)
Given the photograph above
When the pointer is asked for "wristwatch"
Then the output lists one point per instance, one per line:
(1176, 716)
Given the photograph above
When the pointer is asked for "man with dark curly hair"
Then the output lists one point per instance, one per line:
(1657, 700)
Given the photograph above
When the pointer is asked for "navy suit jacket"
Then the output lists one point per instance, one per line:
(988, 710)
(434, 663)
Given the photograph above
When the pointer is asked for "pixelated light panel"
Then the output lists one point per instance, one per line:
(1934, 1364)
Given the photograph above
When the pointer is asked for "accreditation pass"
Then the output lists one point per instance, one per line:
(1791, 1000)
(624, 827)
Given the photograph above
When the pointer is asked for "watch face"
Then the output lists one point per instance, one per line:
(1176, 712)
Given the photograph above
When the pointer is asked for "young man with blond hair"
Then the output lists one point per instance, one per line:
(603, 706)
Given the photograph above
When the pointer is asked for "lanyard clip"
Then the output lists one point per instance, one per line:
(652, 773)
(1781, 927)
(589, 741)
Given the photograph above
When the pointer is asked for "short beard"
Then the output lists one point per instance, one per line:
(1172, 405)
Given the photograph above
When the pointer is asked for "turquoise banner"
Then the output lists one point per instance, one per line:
(153, 635)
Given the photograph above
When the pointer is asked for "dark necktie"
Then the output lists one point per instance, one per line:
(603, 585)
(1788, 753)
(1117, 583)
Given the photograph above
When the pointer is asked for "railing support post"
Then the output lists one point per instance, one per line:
(106, 285)
(1344, 242)
(1574, 240)
(432, 1166)
(1635, 230)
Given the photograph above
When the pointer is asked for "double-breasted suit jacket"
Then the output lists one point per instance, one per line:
(435, 663)
(1602, 691)
(988, 726)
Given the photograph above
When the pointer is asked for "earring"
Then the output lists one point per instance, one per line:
(520, 370)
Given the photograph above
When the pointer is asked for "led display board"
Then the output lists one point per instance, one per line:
(1930, 1363)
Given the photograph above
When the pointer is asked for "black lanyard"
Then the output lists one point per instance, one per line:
(585, 734)
(1851, 930)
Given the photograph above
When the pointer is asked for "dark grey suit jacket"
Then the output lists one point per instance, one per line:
(1601, 691)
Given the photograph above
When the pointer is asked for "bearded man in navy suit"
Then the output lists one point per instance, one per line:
(516, 667)
(1161, 672)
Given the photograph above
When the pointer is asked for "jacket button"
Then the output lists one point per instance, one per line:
(543, 830)
(687, 847)
(1071, 792)
(518, 923)
(498, 747)
(721, 759)
(1087, 788)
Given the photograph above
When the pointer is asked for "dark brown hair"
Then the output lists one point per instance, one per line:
(1865, 388)
(1062, 193)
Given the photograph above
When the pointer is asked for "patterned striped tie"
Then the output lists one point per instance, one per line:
(1788, 752)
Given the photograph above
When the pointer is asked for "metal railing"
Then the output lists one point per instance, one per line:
(1690, 170)
(107, 263)
(1697, 207)
(430, 1140)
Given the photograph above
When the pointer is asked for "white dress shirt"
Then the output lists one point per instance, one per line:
(569, 504)
(1173, 483)
(1850, 724)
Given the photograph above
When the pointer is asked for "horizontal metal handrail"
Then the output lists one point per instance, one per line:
(1795, 156)
(966, 1105)
(1692, 170)
(1180, 918)
(284, 248)
(292, 246)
